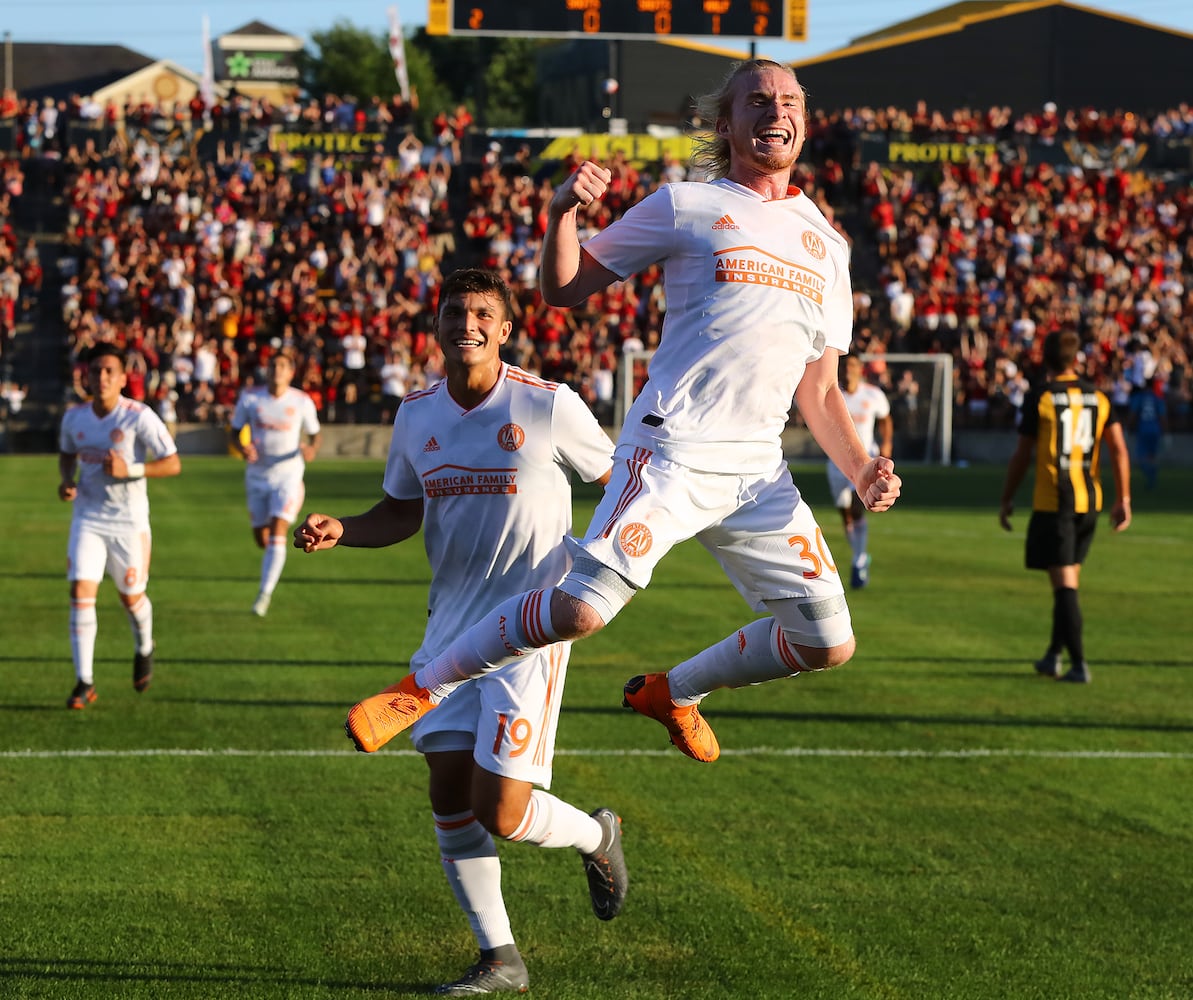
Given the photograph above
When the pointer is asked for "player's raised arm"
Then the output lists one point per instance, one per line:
(568, 275)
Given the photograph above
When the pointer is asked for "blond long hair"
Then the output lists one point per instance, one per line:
(710, 150)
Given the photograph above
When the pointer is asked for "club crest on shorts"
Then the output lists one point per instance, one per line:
(635, 539)
(511, 437)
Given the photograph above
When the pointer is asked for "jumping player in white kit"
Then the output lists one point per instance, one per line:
(870, 409)
(759, 309)
(278, 416)
(114, 444)
(481, 461)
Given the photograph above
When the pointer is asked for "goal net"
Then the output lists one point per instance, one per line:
(920, 390)
(919, 387)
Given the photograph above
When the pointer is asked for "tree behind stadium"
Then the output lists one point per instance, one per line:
(489, 75)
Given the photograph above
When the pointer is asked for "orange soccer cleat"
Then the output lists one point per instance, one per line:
(650, 695)
(375, 721)
(82, 696)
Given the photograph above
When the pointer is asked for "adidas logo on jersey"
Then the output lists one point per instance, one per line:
(431, 445)
(725, 222)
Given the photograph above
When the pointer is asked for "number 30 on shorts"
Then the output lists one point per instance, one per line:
(817, 560)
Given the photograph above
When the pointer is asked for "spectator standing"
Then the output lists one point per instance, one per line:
(355, 345)
(12, 396)
(394, 374)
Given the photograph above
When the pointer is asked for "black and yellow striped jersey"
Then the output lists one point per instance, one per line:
(1066, 418)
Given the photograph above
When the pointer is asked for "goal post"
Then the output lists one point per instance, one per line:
(631, 374)
(920, 390)
(919, 387)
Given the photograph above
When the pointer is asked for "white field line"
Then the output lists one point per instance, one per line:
(978, 752)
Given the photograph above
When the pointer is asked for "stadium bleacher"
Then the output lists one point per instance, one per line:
(973, 234)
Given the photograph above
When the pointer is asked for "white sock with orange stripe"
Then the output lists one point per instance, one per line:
(755, 653)
(859, 536)
(473, 869)
(514, 628)
(551, 822)
(140, 619)
(83, 627)
(272, 562)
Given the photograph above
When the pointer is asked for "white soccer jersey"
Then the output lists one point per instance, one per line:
(137, 434)
(755, 290)
(867, 404)
(494, 481)
(277, 424)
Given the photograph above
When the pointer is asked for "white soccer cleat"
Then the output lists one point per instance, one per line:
(261, 605)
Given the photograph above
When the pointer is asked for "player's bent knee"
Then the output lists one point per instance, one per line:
(820, 626)
(502, 811)
(590, 597)
(574, 617)
(503, 823)
(823, 657)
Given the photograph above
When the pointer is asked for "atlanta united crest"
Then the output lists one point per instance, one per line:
(635, 539)
(511, 437)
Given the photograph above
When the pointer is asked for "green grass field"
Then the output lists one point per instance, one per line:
(930, 821)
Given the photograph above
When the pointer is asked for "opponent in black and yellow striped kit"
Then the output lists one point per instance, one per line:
(1065, 422)
(1065, 418)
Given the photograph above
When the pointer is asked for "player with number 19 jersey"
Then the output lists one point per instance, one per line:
(497, 508)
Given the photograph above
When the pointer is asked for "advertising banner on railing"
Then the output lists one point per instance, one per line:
(1110, 154)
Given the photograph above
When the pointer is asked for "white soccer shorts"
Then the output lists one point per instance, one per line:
(757, 527)
(842, 490)
(507, 718)
(121, 553)
(271, 496)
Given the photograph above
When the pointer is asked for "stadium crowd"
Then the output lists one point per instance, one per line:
(205, 269)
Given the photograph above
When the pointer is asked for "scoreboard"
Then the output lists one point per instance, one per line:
(785, 20)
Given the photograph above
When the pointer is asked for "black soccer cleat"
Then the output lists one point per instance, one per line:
(1048, 665)
(142, 670)
(1078, 675)
(82, 696)
(605, 868)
